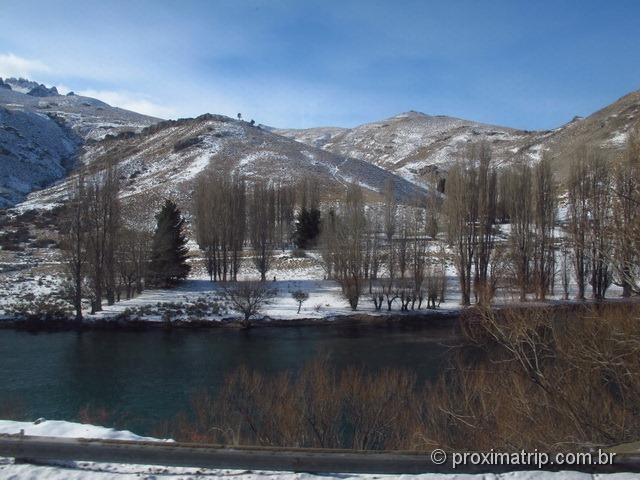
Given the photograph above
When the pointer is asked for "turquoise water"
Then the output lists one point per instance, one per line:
(145, 377)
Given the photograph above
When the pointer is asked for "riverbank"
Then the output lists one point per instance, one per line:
(436, 318)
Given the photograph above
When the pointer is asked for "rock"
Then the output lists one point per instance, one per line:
(42, 91)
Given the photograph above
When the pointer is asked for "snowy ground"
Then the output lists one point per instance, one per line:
(198, 299)
(118, 471)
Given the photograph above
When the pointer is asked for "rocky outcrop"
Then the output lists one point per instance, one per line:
(43, 91)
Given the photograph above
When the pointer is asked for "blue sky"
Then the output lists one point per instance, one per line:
(526, 64)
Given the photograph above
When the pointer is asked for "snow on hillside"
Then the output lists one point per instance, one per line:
(89, 118)
(421, 147)
(41, 133)
(413, 144)
(34, 152)
(316, 137)
(164, 159)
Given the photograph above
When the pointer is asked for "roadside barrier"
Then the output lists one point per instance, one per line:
(33, 449)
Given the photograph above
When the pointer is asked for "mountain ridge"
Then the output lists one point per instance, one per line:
(414, 146)
(42, 133)
(420, 147)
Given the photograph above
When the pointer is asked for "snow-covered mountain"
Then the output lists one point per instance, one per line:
(164, 159)
(34, 151)
(418, 147)
(41, 133)
(41, 137)
(415, 145)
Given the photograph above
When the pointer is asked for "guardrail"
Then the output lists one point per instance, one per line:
(40, 449)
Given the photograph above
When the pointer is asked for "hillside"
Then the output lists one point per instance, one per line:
(165, 158)
(608, 128)
(41, 133)
(415, 145)
(418, 147)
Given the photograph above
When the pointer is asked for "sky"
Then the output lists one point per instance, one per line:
(297, 64)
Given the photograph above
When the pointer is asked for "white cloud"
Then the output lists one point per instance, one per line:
(13, 66)
(130, 101)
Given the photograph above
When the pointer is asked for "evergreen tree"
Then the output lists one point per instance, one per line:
(168, 263)
(307, 227)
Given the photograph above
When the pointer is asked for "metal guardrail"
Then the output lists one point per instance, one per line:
(40, 449)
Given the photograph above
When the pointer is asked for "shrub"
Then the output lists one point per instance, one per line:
(524, 379)
(300, 296)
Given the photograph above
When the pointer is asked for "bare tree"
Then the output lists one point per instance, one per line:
(133, 256)
(462, 222)
(300, 296)
(377, 296)
(418, 250)
(73, 244)
(401, 247)
(262, 226)
(486, 188)
(391, 292)
(545, 216)
(102, 223)
(220, 222)
(578, 216)
(518, 186)
(113, 221)
(375, 250)
(248, 298)
(351, 230)
(590, 222)
(626, 221)
(285, 213)
(565, 274)
(328, 242)
(390, 221)
(600, 223)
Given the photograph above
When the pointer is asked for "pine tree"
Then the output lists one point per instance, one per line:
(307, 227)
(168, 263)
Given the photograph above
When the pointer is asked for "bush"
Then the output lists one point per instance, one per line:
(186, 143)
(43, 308)
(300, 296)
(521, 381)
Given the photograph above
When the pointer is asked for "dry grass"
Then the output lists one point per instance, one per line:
(524, 379)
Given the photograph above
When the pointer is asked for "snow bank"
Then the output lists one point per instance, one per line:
(59, 428)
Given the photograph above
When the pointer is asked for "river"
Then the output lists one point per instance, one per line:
(145, 377)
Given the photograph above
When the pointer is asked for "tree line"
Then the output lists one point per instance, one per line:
(231, 214)
(105, 257)
(514, 226)
(585, 228)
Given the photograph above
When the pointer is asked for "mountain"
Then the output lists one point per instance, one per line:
(41, 138)
(42, 132)
(163, 160)
(34, 151)
(608, 129)
(420, 147)
(415, 145)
